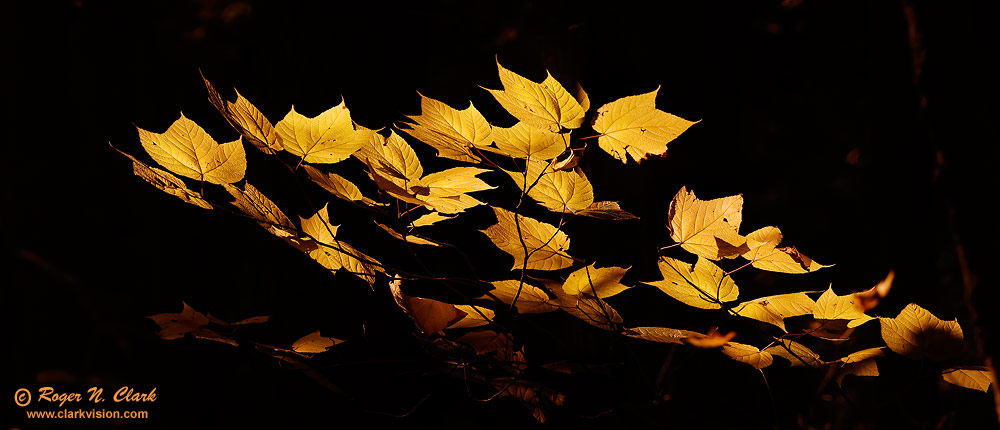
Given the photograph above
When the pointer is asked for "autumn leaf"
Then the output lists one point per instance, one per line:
(393, 156)
(339, 186)
(335, 254)
(602, 283)
(632, 125)
(314, 343)
(593, 310)
(702, 285)
(246, 119)
(188, 321)
(976, 378)
(416, 240)
(830, 306)
(661, 334)
(764, 253)
(606, 211)
(860, 363)
(868, 299)
(774, 309)
(557, 191)
(525, 141)
(430, 219)
(475, 316)
(708, 228)
(326, 138)
(256, 205)
(166, 182)
(454, 133)
(187, 150)
(748, 354)
(545, 105)
(429, 315)
(796, 353)
(713, 339)
(530, 299)
(917, 334)
(532, 243)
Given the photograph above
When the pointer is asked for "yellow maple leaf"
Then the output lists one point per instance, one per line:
(796, 353)
(525, 141)
(604, 282)
(632, 125)
(558, 191)
(256, 205)
(916, 333)
(830, 306)
(661, 334)
(764, 253)
(606, 210)
(593, 310)
(454, 133)
(187, 150)
(246, 119)
(774, 309)
(532, 243)
(167, 182)
(530, 299)
(339, 186)
(314, 343)
(748, 354)
(475, 316)
(708, 228)
(326, 138)
(430, 219)
(429, 315)
(335, 254)
(702, 285)
(546, 105)
(416, 240)
(393, 156)
(976, 378)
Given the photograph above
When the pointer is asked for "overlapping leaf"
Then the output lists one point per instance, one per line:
(454, 133)
(976, 378)
(429, 315)
(336, 254)
(917, 334)
(748, 354)
(167, 183)
(532, 243)
(546, 105)
(256, 205)
(246, 119)
(530, 299)
(187, 150)
(702, 285)
(338, 186)
(525, 141)
(557, 191)
(597, 282)
(796, 353)
(632, 125)
(764, 253)
(326, 138)
(774, 309)
(314, 343)
(708, 228)
(830, 306)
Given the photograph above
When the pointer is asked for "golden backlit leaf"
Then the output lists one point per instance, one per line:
(394, 155)
(546, 105)
(702, 285)
(531, 300)
(796, 353)
(525, 141)
(557, 191)
(632, 125)
(176, 325)
(830, 306)
(335, 254)
(430, 219)
(868, 299)
(326, 138)
(862, 355)
(314, 343)
(976, 378)
(430, 316)
(187, 150)
(167, 182)
(603, 283)
(454, 133)
(917, 334)
(544, 247)
(661, 334)
(607, 211)
(593, 310)
(748, 354)
(708, 228)
(860, 368)
(246, 119)
(774, 309)
(764, 253)
(475, 316)
(338, 186)
(568, 159)
(256, 205)
(417, 240)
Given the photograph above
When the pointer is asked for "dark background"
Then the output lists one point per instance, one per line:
(865, 130)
